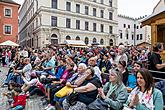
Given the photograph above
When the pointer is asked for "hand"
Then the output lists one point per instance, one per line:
(101, 93)
(136, 99)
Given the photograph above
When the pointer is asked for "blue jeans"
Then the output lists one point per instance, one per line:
(9, 77)
(60, 100)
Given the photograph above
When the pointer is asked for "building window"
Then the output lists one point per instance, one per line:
(127, 36)
(94, 26)
(121, 35)
(86, 40)
(53, 21)
(111, 42)
(86, 25)
(110, 15)
(68, 37)
(94, 11)
(8, 12)
(102, 1)
(132, 37)
(77, 8)
(110, 29)
(8, 29)
(137, 36)
(141, 36)
(102, 13)
(77, 24)
(102, 28)
(94, 0)
(77, 38)
(54, 4)
(68, 6)
(102, 42)
(128, 26)
(86, 10)
(94, 40)
(68, 23)
(110, 3)
(124, 25)
(137, 27)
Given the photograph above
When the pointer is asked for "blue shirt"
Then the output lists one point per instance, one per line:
(131, 81)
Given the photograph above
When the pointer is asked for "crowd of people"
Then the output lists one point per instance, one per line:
(94, 78)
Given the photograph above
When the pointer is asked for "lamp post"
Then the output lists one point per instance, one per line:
(134, 34)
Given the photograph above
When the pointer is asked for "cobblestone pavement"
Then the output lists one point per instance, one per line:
(32, 103)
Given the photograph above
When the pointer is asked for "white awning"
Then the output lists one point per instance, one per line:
(74, 42)
(9, 43)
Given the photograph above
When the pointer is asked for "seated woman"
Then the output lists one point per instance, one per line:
(123, 69)
(145, 96)
(73, 82)
(87, 92)
(113, 94)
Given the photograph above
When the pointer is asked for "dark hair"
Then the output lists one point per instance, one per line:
(62, 59)
(92, 70)
(157, 46)
(123, 63)
(139, 63)
(149, 81)
(19, 90)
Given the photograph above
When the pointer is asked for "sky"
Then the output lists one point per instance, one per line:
(132, 8)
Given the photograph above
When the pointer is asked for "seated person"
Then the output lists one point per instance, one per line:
(145, 96)
(131, 82)
(19, 100)
(113, 94)
(87, 92)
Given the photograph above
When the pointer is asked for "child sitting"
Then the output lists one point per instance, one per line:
(19, 100)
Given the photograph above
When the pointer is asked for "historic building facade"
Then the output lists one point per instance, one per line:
(45, 22)
(8, 20)
(131, 32)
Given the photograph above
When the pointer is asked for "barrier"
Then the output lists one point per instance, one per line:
(158, 75)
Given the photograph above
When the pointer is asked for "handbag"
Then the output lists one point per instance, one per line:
(72, 98)
(64, 91)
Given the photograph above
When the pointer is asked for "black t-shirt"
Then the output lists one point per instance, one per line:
(154, 60)
(89, 97)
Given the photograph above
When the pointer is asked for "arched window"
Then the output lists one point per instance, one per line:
(111, 42)
(54, 39)
(68, 37)
(53, 36)
(77, 38)
(86, 40)
(102, 42)
(94, 40)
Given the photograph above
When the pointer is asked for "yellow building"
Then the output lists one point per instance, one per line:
(157, 22)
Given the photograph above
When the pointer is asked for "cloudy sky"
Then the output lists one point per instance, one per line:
(132, 8)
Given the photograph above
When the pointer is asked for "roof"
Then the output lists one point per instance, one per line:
(74, 42)
(9, 1)
(152, 16)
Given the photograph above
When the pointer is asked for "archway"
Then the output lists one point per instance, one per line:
(54, 39)
(68, 37)
(77, 38)
(111, 42)
(86, 40)
(102, 42)
(94, 40)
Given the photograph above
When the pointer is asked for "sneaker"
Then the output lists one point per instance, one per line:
(4, 85)
(47, 106)
(51, 108)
